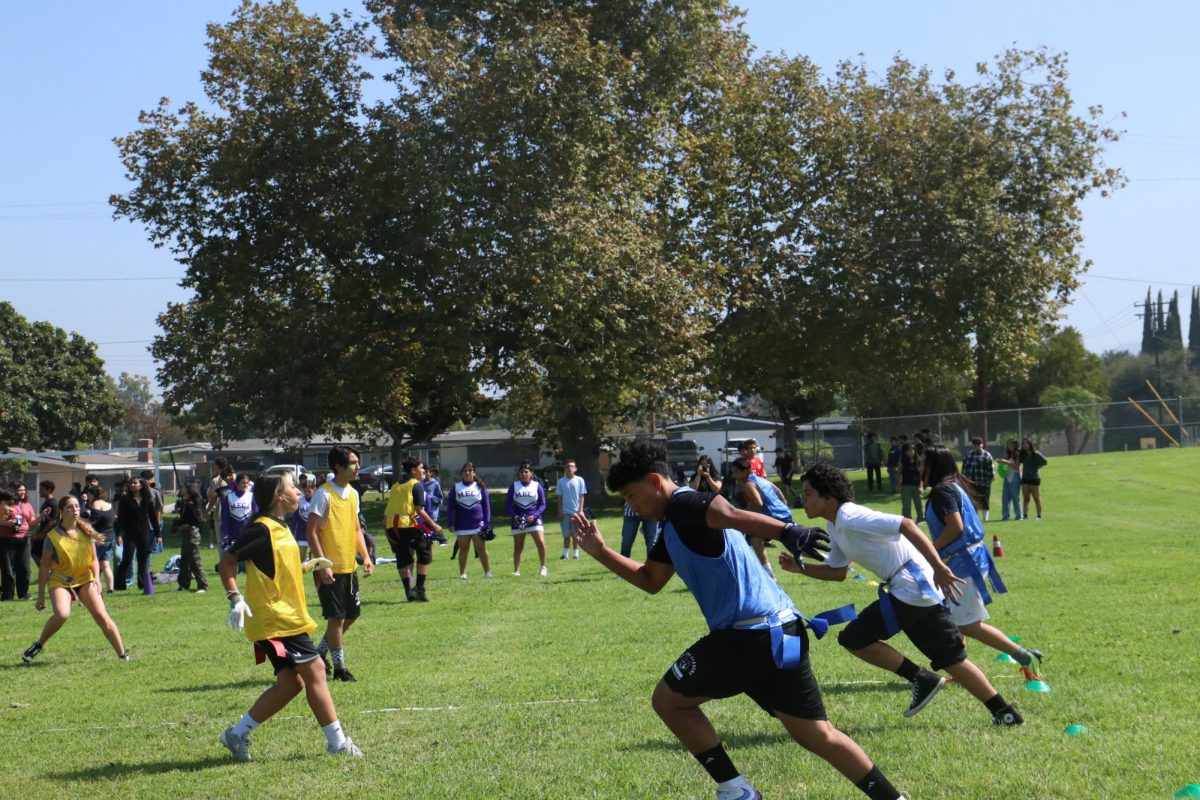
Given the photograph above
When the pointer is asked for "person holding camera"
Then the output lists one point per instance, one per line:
(706, 478)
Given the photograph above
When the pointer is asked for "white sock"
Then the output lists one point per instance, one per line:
(565, 549)
(334, 734)
(245, 725)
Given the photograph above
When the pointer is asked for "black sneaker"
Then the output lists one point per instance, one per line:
(1007, 717)
(31, 652)
(411, 595)
(924, 688)
(343, 674)
(420, 593)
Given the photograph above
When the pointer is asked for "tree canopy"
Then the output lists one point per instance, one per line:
(55, 393)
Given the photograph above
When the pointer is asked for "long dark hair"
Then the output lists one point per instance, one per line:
(941, 466)
(145, 495)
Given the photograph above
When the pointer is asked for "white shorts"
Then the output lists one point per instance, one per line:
(533, 529)
(970, 606)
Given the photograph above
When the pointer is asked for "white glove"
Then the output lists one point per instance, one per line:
(238, 611)
(314, 564)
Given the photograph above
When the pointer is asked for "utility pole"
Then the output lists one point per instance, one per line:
(1149, 310)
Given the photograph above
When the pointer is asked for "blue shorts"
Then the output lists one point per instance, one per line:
(104, 551)
(566, 527)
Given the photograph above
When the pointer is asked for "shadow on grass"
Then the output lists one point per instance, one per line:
(215, 687)
(23, 665)
(734, 739)
(852, 687)
(120, 769)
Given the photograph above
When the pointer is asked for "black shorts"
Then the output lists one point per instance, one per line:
(297, 650)
(405, 541)
(1031, 481)
(339, 600)
(928, 627)
(730, 662)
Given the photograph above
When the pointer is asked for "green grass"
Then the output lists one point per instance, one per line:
(536, 687)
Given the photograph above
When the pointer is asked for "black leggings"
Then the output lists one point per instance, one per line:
(143, 542)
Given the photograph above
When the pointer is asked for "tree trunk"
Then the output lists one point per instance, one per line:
(1087, 435)
(981, 392)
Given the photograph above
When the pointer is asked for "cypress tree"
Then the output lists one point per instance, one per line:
(1160, 325)
(1174, 332)
(1194, 330)
(1147, 326)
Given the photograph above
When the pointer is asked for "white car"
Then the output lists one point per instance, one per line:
(297, 470)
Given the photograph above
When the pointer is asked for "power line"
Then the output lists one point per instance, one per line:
(1136, 280)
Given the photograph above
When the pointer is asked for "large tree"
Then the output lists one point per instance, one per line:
(323, 299)
(558, 119)
(55, 394)
(1194, 331)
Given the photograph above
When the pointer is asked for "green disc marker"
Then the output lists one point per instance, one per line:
(1040, 687)
(1014, 639)
(1075, 730)
(1005, 658)
(1191, 790)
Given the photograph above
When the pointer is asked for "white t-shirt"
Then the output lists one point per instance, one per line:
(319, 504)
(872, 539)
(570, 490)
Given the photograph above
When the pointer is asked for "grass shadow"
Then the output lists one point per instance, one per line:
(761, 739)
(215, 687)
(118, 769)
(894, 687)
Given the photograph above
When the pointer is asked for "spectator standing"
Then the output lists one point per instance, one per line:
(100, 514)
(572, 494)
(752, 455)
(706, 478)
(47, 519)
(156, 494)
(895, 451)
(1010, 467)
(217, 488)
(435, 499)
(631, 521)
(526, 503)
(14, 545)
(469, 516)
(191, 512)
(237, 509)
(980, 469)
(139, 529)
(873, 460)
(1032, 462)
(910, 483)
(785, 468)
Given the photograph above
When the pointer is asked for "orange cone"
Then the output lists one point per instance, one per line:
(997, 548)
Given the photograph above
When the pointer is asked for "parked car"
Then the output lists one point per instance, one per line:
(378, 478)
(297, 470)
(682, 455)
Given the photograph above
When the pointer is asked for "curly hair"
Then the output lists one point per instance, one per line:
(637, 461)
(829, 481)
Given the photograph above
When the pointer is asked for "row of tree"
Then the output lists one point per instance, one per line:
(595, 212)
(1162, 326)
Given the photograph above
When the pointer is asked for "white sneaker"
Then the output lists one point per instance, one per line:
(239, 746)
(577, 555)
(463, 576)
(348, 748)
(202, 591)
(517, 574)
(740, 793)
(544, 572)
(487, 574)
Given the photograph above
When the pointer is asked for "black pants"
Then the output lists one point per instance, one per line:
(189, 558)
(874, 477)
(14, 568)
(144, 543)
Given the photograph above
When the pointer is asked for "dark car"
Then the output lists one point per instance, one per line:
(377, 479)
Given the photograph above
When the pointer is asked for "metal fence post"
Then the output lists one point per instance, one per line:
(1020, 428)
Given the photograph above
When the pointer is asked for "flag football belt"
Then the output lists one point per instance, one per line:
(786, 649)
(260, 653)
(891, 625)
(963, 565)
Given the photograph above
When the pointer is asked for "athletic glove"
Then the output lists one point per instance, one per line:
(238, 611)
(803, 541)
(314, 564)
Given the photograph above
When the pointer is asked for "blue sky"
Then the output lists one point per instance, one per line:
(78, 74)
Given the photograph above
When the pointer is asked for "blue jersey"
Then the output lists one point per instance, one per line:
(730, 588)
(772, 505)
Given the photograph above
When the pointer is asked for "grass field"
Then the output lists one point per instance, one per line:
(539, 687)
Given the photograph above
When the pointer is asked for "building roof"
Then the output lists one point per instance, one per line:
(725, 422)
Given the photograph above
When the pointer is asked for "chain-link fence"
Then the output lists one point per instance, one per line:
(1057, 430)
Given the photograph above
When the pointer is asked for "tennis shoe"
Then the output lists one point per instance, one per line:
(924, 688)
(347, 748)
(544, 572)
(740, 793)
(1007, 718)
(239, 746)
(31, 652)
